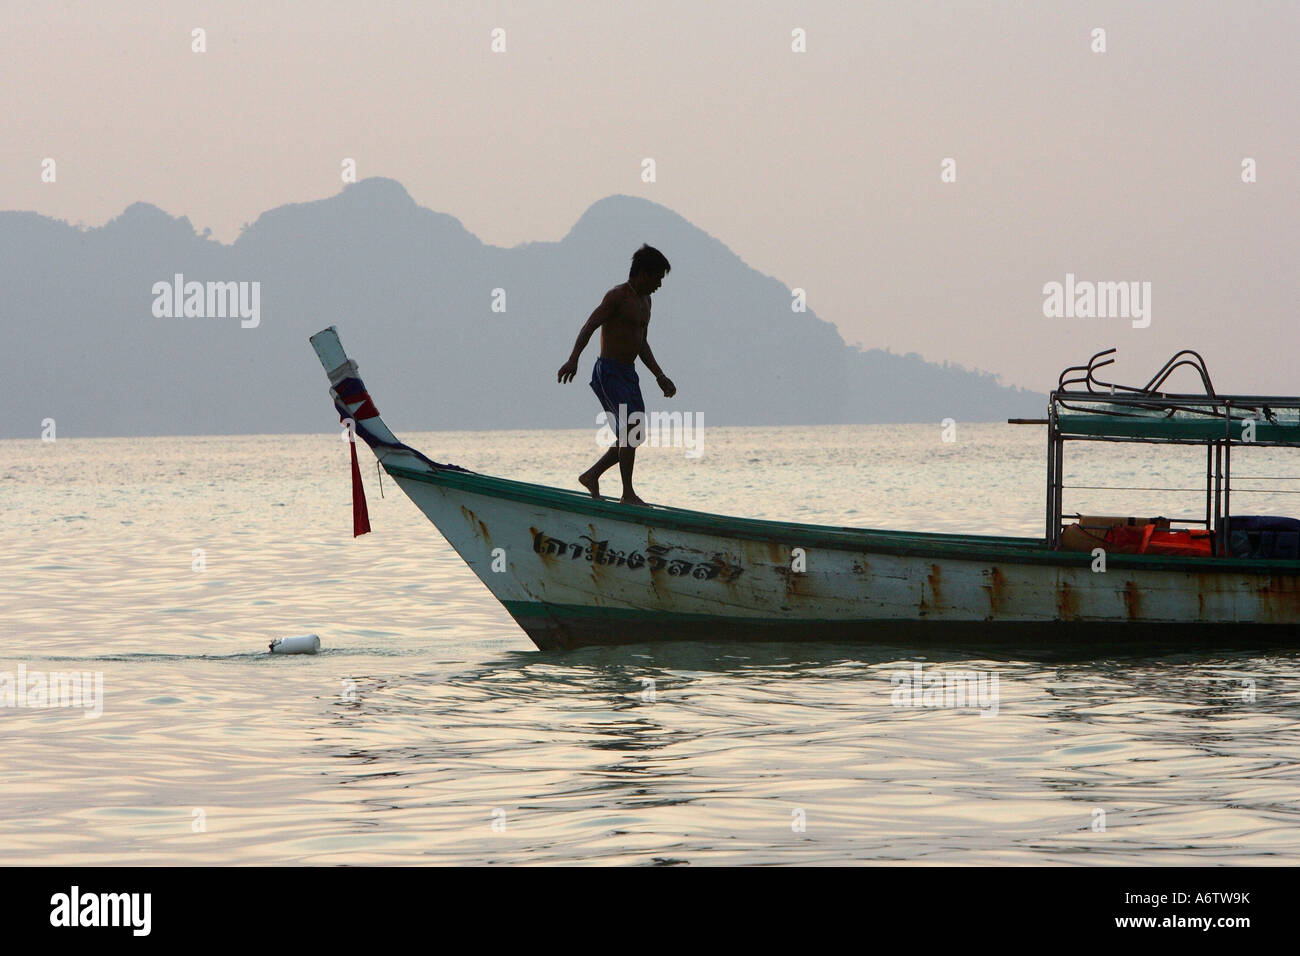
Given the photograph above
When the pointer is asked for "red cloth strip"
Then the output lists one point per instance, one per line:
(360, 514)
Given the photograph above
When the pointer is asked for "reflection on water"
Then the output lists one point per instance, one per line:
(708, 763)
(428, 730)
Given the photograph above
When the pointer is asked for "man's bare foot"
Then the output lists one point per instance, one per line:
(631, 499)
(590, 483)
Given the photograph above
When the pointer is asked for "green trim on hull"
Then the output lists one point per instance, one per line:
(555, 627)
(919, 544)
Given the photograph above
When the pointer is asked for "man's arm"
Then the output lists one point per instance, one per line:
(664, 381)
(603, 311)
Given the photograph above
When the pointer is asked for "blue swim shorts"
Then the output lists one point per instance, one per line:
(616, 384)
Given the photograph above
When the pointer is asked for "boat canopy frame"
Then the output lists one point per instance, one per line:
(1085, 408)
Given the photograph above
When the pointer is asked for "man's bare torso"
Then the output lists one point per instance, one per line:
(623, 334)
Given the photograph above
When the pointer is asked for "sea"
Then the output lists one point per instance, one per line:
(429, 730)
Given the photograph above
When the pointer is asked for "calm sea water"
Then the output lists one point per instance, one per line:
(430, 731)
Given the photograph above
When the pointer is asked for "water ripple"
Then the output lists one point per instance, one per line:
(428, 731)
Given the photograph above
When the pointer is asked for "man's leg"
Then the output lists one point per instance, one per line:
(590, 479)
(626, 459)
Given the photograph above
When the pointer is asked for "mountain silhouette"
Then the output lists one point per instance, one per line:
(412, 292)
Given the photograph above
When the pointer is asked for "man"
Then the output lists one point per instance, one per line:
(623, 318)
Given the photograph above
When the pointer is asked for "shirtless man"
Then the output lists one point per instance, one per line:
(623, 318)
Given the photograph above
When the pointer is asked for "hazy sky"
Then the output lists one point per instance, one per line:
(821, 168)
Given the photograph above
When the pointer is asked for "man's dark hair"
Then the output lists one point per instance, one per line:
(648, 259)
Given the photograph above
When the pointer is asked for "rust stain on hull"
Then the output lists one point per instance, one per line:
(936, 584)
(1279, 599)
(476, 525)
(548, 560)
(792, 584)
(1132, 601)
(654, 572)
(932, 599)
(1067, 607)
(995, 590)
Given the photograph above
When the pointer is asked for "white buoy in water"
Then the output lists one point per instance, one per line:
(305, 644)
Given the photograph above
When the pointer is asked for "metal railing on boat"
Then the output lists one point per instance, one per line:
(1085, 408)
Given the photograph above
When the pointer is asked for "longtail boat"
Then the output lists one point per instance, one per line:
(575, 571)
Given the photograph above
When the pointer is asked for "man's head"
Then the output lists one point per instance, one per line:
(648, 268)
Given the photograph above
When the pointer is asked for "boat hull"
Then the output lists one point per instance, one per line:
(575, 572)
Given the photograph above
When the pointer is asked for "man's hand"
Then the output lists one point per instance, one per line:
(567, 371)
(667, 385)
